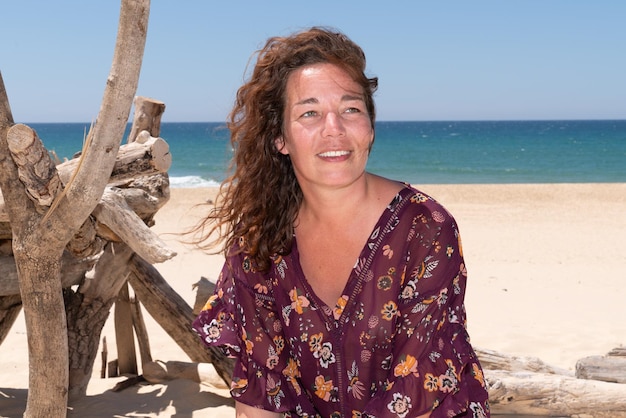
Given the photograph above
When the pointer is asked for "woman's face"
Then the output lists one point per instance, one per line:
(327, 129)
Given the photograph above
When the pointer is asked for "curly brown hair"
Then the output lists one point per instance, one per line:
(258, 203)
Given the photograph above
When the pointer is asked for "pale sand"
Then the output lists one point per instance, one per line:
(546, 271)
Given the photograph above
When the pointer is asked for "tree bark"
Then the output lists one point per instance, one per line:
(88, 309)
(73, 272)
(34, 165)
(39, 270)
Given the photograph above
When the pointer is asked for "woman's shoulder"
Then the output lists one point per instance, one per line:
(401, 190)
(420, 203)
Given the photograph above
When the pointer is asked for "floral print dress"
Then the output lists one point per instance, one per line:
(394, 345)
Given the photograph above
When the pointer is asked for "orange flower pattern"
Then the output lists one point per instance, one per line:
(394, 344)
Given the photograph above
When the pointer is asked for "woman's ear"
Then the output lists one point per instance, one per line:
(279, 143)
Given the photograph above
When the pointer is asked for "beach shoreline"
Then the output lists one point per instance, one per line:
(545, 267)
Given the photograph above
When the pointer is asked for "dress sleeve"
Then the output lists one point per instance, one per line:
(240, 319)
(434, 366)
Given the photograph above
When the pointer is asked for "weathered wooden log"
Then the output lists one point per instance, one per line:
(133, 160)
(204, 373)
(147, 117)
(139, 325)
(73, 272)
(34, 164)
(528, 393)
(493, 360)
(104, 358)
(39, 242)
(86, 242)
(124, 336)
(88, 309)
(5, 227)
(73, 268)
(146, 195)
(144, 201)
(175, 316)
(150, 157)
(604, 368)
(617, 351)
(115, 213)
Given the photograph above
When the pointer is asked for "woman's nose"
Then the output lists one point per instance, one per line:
(333, 124)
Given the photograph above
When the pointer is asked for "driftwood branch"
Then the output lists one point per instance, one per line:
(124, 338)
(175, 316)
(142, 202)
(133, 160)
(554, 395)
(528, 386)
(148, 156)
(143, 340)
(609, 368)
(73, 272)
(108, 130)
(493, 360)
(87, 310)
(115, 213)
(147, 117)
(34, 165)
(38, 245)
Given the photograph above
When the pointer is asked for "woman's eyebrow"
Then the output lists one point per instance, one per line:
(310, 100)
(344, 98)
(350, 97)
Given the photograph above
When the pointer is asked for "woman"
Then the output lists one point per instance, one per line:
(342, 292)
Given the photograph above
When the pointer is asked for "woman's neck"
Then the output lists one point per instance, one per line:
(330, 206)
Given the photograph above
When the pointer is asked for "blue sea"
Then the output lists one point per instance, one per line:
(571, 151)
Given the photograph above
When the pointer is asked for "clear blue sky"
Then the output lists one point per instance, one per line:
(436, 60)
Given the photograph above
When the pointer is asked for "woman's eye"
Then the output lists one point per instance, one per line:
(309, 114)
(353, 110)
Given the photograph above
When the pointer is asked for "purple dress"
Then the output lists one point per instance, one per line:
(394, 345)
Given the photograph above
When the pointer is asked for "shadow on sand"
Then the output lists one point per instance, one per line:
(176, 399)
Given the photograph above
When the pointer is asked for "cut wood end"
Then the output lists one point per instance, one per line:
(20, 137)
(161, 157)
(163, 255)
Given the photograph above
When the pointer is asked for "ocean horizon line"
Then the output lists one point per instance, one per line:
(441, 152)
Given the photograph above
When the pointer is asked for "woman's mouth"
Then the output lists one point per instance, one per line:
(333, 154)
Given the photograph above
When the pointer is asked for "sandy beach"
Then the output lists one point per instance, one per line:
(546, 266)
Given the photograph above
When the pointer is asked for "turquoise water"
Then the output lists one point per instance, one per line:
(572, 151)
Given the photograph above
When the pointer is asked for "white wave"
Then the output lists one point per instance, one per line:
(191, 181)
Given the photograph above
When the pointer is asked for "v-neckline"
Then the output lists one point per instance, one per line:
(353, 278)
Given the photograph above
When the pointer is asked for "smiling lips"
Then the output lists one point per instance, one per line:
(332, 154)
